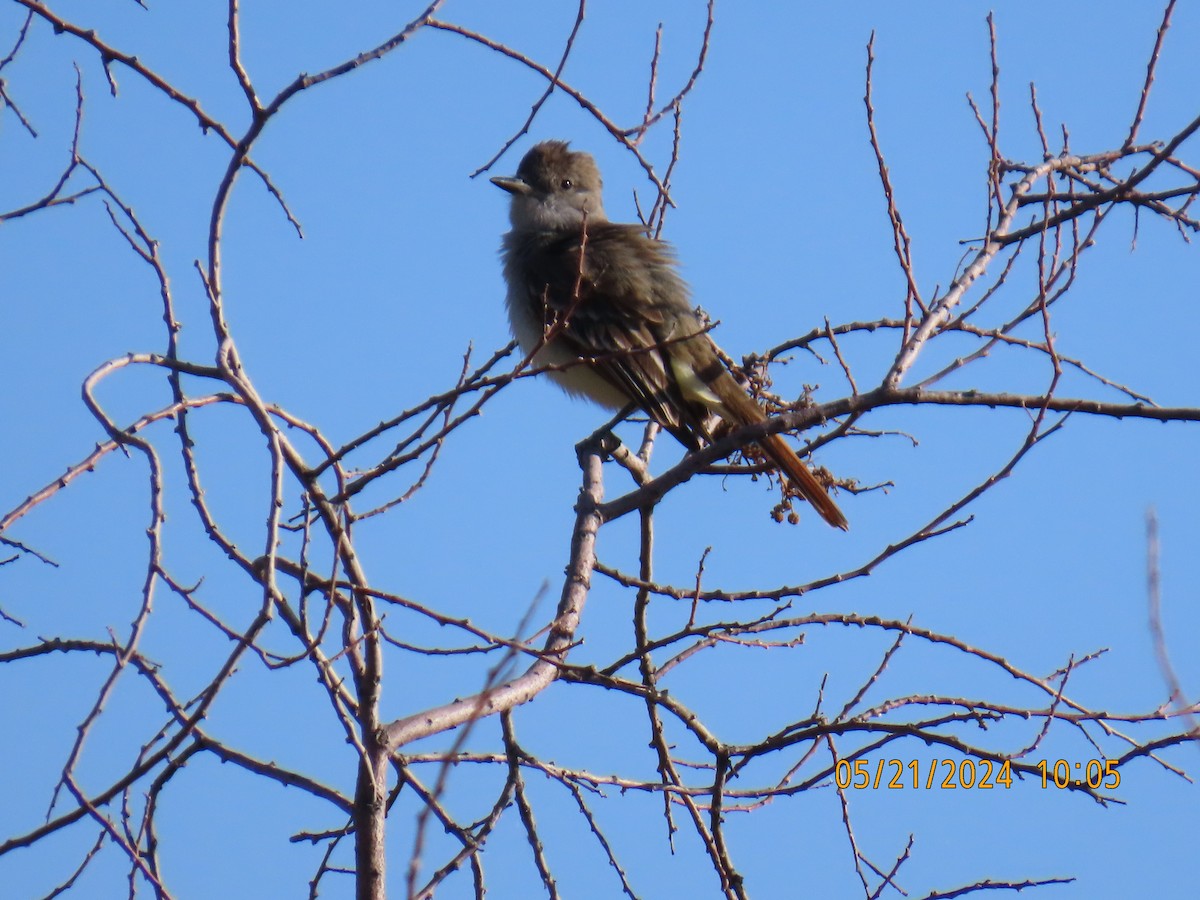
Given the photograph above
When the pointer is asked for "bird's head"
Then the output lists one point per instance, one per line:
(555, 189)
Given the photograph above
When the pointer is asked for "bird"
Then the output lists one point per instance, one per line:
(602, 304)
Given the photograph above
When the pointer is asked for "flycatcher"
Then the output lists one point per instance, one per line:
(605, 305)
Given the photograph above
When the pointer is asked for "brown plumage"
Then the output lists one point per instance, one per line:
(618, 315)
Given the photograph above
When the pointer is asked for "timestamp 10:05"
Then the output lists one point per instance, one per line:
(982, 774)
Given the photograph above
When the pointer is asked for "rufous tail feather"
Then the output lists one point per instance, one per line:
(803, 480)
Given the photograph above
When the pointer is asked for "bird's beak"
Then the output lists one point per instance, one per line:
(513, 185)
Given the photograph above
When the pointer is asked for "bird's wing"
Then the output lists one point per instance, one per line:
(626, 320)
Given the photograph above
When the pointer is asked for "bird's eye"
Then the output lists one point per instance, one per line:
(566, 184)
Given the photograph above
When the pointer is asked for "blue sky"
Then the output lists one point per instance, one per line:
(780, 222)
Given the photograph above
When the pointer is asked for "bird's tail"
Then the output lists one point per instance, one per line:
(740, 408)
(803, 480)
